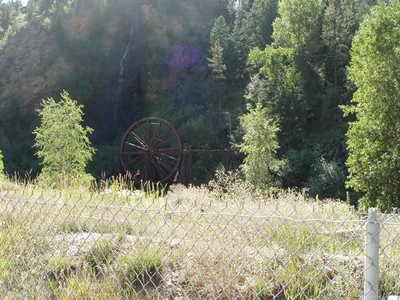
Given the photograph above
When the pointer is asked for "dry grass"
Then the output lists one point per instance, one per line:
(223, 242)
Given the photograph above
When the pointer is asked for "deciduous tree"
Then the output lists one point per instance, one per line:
(259, 146)
(62, 142)
(374, 137)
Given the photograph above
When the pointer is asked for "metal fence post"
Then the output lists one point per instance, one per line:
(371, 267)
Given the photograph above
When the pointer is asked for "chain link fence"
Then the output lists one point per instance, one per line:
(190, 245)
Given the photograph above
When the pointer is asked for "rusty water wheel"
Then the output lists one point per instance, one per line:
(153, 148)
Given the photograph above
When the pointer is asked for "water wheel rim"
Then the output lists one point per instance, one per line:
(153, 147)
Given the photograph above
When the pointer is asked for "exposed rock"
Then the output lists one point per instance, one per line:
(29, 70)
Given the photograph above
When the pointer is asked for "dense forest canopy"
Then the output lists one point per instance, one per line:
(201, 65)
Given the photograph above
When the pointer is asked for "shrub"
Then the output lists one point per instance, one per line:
(140, 269)
(327, 180)
(297, 167)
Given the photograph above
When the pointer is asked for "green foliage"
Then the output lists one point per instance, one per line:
(297, 167)
(298, 24)
(373, 138)
(327, 180)
(12, 19)
(220, 32)
(259, 146)
(291, 84)
(100, 256)
(62, 142)
(340, 20)
(216, 62)
(143, 267)
(16, 138)
(297, 31)
(301, 81)
(258, 23)
(278, 87)
(217, 66)
(204, 134)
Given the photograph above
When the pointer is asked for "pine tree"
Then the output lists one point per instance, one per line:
(258, 23)
(219, 32)
(216, 63)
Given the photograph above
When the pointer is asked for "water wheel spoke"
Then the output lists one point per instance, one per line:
(153, 146)
(138, 139)
(161, 136)
(163, 168)
(133, 153)
(135, 163)
(166, 143)
(156, 132)
(136, 146)
(144, 129)
(161, 171)
(169, 157)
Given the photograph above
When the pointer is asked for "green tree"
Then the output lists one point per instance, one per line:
(374, 137)
(216, 62)
(277, 86)
(298, 24)
(340, 21)
(63, 142)
(12, 19)
(290, 68)
(258, 23)
(259, 146)
(219, 32)
(217, 66)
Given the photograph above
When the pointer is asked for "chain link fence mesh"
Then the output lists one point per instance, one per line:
(187, 245)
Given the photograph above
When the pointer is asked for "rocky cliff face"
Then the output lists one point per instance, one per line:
(29, 70)
(81, 54)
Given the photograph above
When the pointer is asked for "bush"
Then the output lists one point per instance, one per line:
(140, 269)
(327, 180)
(297, 167)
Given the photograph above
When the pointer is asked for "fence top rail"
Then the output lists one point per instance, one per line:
(294, 212)
(296, 209)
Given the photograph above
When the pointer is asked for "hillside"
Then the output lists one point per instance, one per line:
(197, 64)
(123, 60)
